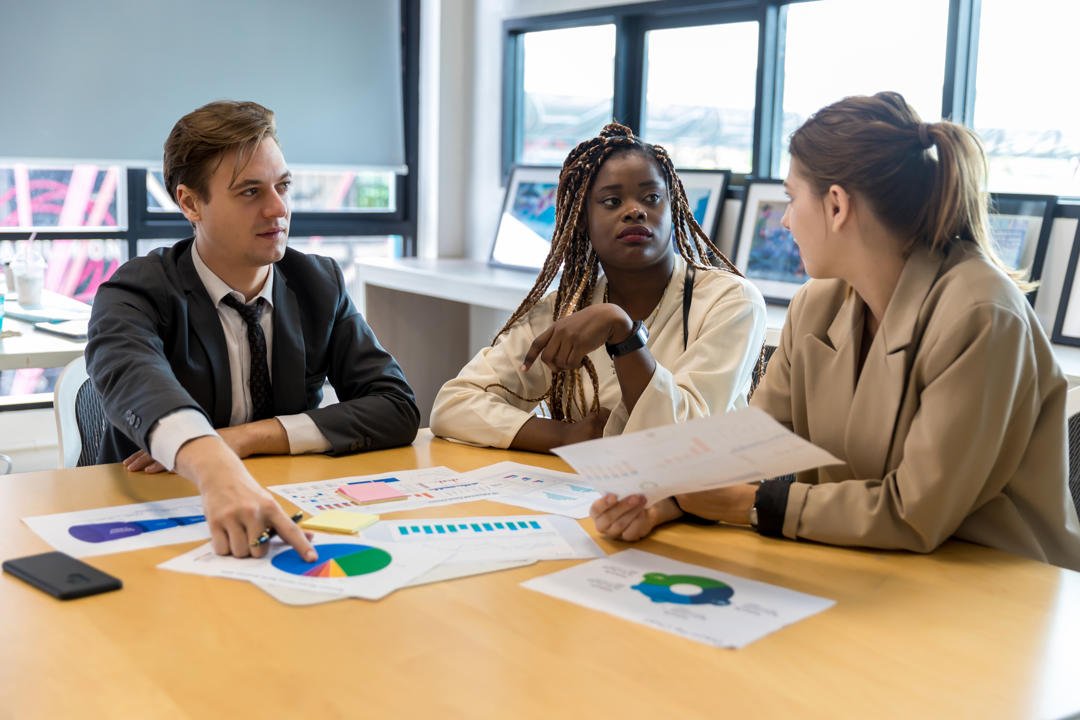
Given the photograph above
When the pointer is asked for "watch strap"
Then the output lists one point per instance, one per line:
(639, 335)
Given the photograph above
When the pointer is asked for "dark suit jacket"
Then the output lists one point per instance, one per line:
(156, 345)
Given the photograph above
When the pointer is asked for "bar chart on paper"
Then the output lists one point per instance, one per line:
(491, 539)
(700, 454)
(476, 528)
(86, 533)
(416, 488)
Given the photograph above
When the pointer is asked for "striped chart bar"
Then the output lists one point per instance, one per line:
(470, 528)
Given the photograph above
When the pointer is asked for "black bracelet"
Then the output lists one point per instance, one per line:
(770, 500)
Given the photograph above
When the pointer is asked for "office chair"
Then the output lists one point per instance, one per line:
(80, 419)
(1072, 415)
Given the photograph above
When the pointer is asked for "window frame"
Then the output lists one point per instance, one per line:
(633, 21)
(143, 224)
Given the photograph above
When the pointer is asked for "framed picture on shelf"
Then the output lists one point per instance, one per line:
(705, 190)
(1020, 231)
(764, 249)
(1067, 322)
(527, 221)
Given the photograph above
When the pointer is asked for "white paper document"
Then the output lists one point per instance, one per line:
(346, 567)
(695, 602)
(124, 527)
(422, 488)
(439, 573)
(536, 488)
(725, 449)
(490, 539)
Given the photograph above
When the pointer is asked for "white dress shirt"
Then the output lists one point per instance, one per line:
(177, 428)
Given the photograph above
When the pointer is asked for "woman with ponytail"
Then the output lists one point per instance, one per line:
(649, 324)
(913, 356)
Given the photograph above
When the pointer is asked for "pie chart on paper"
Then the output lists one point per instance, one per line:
(338, 560)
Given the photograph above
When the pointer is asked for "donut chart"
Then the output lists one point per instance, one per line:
(658, 588)
(336, 560)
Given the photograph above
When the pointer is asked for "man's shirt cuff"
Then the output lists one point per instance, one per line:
(304, 435)
(173, 430)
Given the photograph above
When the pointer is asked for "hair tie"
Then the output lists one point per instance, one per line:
(924, 136)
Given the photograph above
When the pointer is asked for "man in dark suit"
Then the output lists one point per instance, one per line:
(217, 348)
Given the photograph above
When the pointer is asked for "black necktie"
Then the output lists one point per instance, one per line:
(262, 401)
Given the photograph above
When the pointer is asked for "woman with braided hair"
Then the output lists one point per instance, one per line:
(649, 325)
(913, 356)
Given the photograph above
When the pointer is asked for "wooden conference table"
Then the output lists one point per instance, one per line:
(965, 632)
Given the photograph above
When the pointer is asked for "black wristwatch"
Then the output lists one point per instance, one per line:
(639, 335)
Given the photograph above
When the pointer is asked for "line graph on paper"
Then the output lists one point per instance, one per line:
(699, 454)
(536, 488)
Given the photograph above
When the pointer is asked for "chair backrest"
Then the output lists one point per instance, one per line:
(1072, 420)
(80, 419)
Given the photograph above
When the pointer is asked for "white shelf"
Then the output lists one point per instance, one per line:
(475, 283)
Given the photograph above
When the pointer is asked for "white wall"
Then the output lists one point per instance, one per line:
(461, 119)
(447, 64)
(29, 438)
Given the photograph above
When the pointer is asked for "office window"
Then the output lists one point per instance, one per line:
(83, 196)
(146, 246)
(312, 191)
(73, 268)
(700, 85)
(1026, 108)
(836, 48)
(568, 90)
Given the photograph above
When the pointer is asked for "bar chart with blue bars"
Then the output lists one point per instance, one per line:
(469, 528)
(490, 538)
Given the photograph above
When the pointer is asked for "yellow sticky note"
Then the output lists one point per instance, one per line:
(339, 521)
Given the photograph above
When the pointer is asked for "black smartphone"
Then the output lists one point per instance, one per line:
(61, 575)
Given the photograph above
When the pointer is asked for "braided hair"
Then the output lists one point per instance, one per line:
(572, 253)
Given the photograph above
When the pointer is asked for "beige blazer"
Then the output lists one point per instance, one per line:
(956, 426)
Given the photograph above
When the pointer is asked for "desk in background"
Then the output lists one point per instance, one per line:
(36, 349)
(406, 304)
(964, 632)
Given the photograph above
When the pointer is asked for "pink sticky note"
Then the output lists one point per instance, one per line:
(371, 492)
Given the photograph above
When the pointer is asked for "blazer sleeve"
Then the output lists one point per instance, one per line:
(464, 411)
(714, 373)
(979, 405)
(377, 408)
(126, 351)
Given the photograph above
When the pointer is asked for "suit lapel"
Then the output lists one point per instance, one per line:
(289, 359)
(204, 325)
(883, 382)
(833, 358)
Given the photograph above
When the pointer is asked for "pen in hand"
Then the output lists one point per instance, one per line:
(268, 533)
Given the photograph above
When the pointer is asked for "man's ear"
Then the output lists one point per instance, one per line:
(838, 207)
(190, 203)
